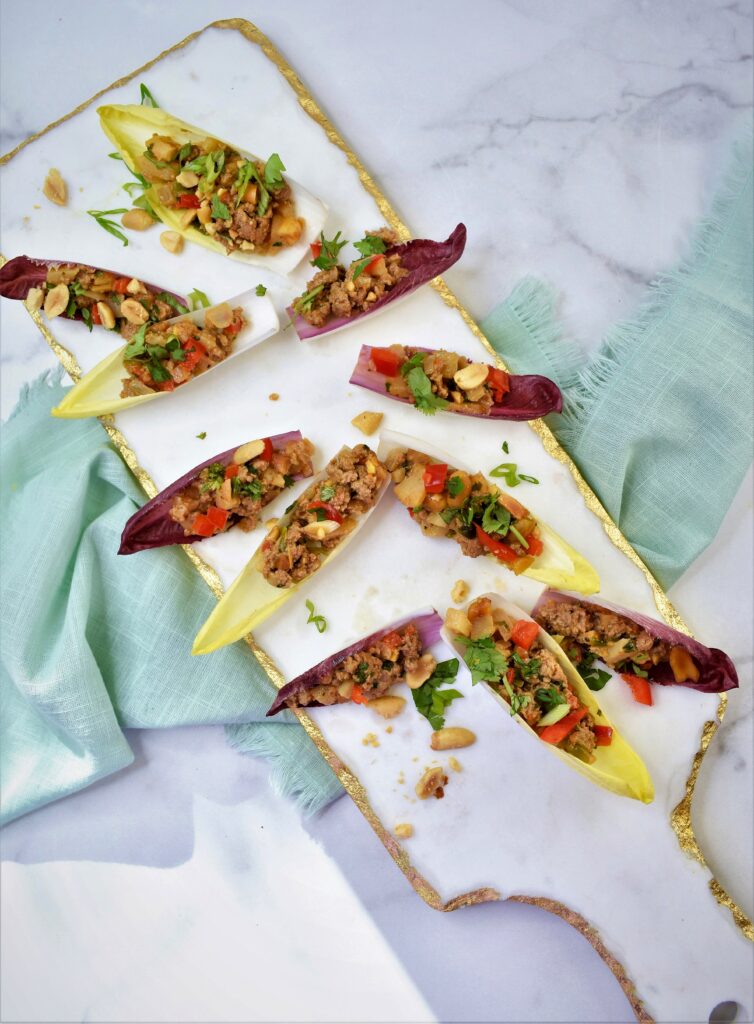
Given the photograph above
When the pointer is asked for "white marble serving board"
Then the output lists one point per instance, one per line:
(514, 819)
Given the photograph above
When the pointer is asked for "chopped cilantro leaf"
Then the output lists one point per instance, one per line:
(362, 671)
(370, 245)
(421, 388)
(212, 477)
(219, 209)
(273, 172)
(202, 435)
(430, 700)
(260, 290)
(484, 660)
(172, 301)
(327, 493)
(548, 697)
(329, 250)
(496, 519)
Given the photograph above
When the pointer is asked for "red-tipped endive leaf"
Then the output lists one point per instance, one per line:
(717, 672)
(423, 258)
(529, 398)
(153, 527)
(428, 625)
(21, 273)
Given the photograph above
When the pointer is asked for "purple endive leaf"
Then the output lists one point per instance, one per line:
(717, 672)
(428, 625)
(529, 398)
(423, 258)
(21, 273)
(153, 527)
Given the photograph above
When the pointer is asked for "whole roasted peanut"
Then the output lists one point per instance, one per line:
(106, 315)
(320, 530)
(55, 188)
(422, 672)
(56, 300)
(171, 241)
(34, 299)
(431, 784)
(452, 738)
(471, 376)
(134, 312)
(388, 706)
(136, 220)
(135, 286)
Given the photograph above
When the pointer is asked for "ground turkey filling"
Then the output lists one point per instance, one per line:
(533, 676)
(242, 489)
(591, 632)
(245, 205)
(323, 516)
(447, 502)
(340, 292)
(98, 297)
(161, 357)
(472, 387)
(374, 669)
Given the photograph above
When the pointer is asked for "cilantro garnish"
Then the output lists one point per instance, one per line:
(184, 152)
(455, 486)
(505, 447)
(246, 172)
(369, 246)
(496, 519)
(485, 662)
(327, 493)
(430, 700)
(202, 435)
(516, 700)
(416, 360)
(328, 255)
(526, 668)
(595, 678)
(101, 217)
(172, 301)
(306, 301)
(273, 172)
(260, 290)
(250, 488)
(319, 620)
(362, 671)
(86, 316)
(219, 209)
(198, 299)
(421, 388)
(213, 477)
(147, 99)
(548, 697)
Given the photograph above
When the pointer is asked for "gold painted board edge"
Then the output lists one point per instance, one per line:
(681, 816)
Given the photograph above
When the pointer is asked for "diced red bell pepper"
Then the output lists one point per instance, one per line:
(96, 318)
(189, 201)
(536, 547)
(328, 509)
(195, 352)
(231, 470)
(510, 675)
(121, 285)
(267, 451)
(500, 550)
(358, 696)
(375, 261)
(434, 477)
(603, 734)
(500, 383)
(393, 639)
(235, 327)
(316, 248)
(217, 516)
(557, 732)
(386, 361)
(166, 385)
(203, 526)
(410, 512)
(524, 633)
(640, 688)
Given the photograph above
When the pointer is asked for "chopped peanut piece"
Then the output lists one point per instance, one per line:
(455, 764)
(431, 784)
(55, 188)
(134, 312)
(370, 740)
(460, 591)
(171, 241)
(452, 738)
(457, 622)
(367, 422)
(274, 396)
(404, 830)
(106, 315)
(136, 220)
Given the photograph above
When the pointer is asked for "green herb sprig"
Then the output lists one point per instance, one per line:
(485, 662)
(328, 255)
(319, 621)
(430, 700)
(101, 216)
(147, 99)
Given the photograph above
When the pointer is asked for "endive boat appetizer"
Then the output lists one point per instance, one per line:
(384, 272)
(161, 357)
(215, 193)
(643, 650)
(363, 672)
(530, 674)
(447, 501)
(314, 529)
(227, 490)
(434, 380)
(91, 295)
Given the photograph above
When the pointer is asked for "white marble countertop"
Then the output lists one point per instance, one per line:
(183, 889)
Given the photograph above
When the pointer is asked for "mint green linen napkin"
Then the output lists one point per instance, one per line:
(93, 642)
(660, 421)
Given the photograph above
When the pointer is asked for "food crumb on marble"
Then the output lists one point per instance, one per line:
(371, 740)
(401, 779)
(389, 729)
(404, 830)
(367, 422)
(54, 188)
(455, 764)
(273, 396)
(460, 591)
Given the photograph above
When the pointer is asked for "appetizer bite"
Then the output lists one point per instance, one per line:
(384, 271)
(365, 671)
(642, 650)
(227, 490)
(435, 380)
(530, 674)
(163, 357)
(94, 296)
(315, 528)
(213, 192)
(445, 501)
